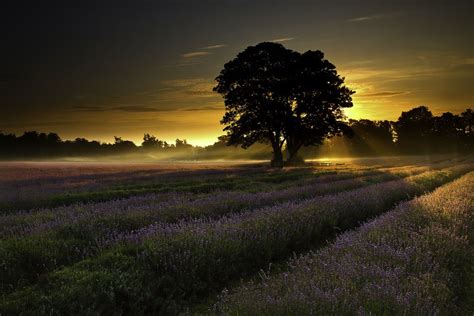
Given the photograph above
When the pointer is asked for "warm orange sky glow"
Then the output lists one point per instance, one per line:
(99, 71)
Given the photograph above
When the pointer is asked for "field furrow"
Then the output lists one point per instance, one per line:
(21, 196)
(52, 192)
(415, 260)
(146, 209)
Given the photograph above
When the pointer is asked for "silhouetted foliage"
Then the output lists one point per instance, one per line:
(182, 144)
(123, 145)
(371, 137)
(255, 87)
(416, 132)
(318, 97)
(275, 95)
(467, 119)
(151, 142)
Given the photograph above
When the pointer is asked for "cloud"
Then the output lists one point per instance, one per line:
(378, 75)
(87, 108)
(134, 108)
(192, 58)
(468, 61)
(205, 91)
(33, 124)
(215, 46)
(284, 39)
(180, 83)
(204, 108)
(183, 63)
(198, 87)
(123, 108)
(384, 94)
(369, 18)
(187, 94)
(195, 54)
(459, 61)
(445, 58)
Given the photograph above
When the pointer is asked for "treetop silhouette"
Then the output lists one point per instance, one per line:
(278, 96)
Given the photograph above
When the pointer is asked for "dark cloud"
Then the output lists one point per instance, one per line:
(283, 39)
(204, 108)
(134, 108)
(202, 93)
(195, 54)
(43, 124)
(88, 108)
(385, 94)
(215, 46)
(124, 108)
(371, 17)
(139, 108)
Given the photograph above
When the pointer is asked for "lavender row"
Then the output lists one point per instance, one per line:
(67, 240)
(144, 210)
(30, 194)
(342, 209)
(44, 181)
(167, 265)
(27, 193)
(410, 261)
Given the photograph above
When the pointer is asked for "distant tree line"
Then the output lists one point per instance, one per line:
(416, 131)
(34, 144)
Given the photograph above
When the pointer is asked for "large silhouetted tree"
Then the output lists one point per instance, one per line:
(318, 97)
(255, 86)
(275, 95)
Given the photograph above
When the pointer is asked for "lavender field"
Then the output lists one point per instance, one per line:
(381, 236)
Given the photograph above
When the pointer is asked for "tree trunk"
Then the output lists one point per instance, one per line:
(294, 160)
(293, 147)
(277, 160)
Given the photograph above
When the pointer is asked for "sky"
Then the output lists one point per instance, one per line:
(98, 69)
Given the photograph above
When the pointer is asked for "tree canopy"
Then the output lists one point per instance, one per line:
(275, 95)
